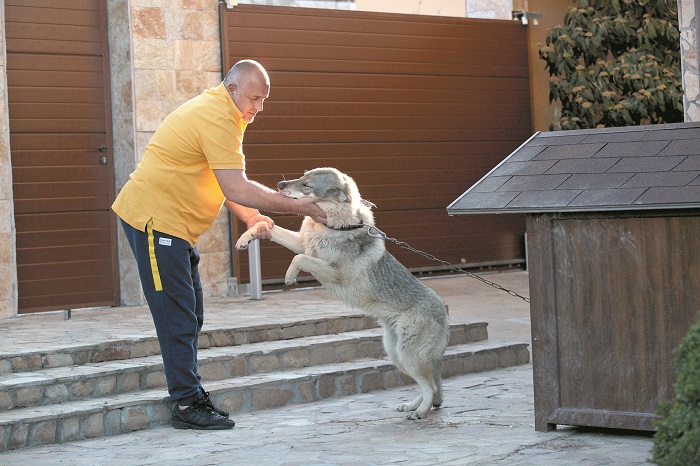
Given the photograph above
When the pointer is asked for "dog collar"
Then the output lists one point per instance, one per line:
(349, 227)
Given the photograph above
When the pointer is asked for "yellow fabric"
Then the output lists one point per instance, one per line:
(174, 185)
(152, 255)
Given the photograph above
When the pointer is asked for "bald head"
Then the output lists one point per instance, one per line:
(249, 85)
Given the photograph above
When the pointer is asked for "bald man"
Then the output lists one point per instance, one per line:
(192, 166)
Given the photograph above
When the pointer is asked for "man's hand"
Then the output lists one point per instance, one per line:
(262, 232)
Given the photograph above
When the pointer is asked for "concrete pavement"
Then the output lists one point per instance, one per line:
(487, 418)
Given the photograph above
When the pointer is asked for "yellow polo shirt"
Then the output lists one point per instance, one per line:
(174, 184)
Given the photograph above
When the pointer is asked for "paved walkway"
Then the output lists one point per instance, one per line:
(487, 418)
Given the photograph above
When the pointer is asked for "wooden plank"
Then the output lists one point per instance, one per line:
(22, 110)
(56, 141)
(543, 311)
(55, 79)
(59, 126)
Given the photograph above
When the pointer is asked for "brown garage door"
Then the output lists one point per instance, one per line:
(415, 108)
(60, 138)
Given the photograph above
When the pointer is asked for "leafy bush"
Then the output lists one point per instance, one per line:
(615, 63)
(677, 441)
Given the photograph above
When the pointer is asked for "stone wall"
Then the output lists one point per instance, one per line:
(8, 262)
(163, 53)
(688, 23)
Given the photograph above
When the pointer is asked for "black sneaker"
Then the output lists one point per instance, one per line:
(218, 411)
(199, 416)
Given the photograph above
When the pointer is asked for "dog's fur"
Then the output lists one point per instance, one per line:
(356, 266)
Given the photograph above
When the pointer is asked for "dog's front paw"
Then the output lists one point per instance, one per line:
(249, 236)
(414, 416)
(244, 241)
(290, 278)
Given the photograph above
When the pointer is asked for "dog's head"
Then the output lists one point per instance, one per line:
(336, 192)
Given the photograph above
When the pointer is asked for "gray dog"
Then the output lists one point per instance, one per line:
(356, 266)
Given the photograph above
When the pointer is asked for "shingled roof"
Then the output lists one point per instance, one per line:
(631, 168)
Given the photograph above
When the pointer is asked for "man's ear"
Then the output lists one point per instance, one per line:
(232, 87)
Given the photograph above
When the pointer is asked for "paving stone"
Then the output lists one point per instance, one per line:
(29, 396)
(222, 338)
(58, 360)
(144, 348)
(42, 433)
(238, 367)
(24, 363)
(128, 382)
(307, 391)
(296, 358)
(270, 398)
(231, 403)
(94, 425)
(264, 363)
(68, 430)
(216, 370)
(109, 353)
(106, 385)
(371, 381)
(113, 422)
(155, 379)
(57, 393)
(83, 388)
(5, 366)
(134, 419)
(18, 438)
(5, 401)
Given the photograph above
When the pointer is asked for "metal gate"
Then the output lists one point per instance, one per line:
(60, 139)
(415, 108)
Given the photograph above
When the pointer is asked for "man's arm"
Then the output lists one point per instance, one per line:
(240, 190)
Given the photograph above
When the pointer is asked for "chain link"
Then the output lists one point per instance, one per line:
(377, 233)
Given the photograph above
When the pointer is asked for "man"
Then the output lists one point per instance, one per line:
(193, 164)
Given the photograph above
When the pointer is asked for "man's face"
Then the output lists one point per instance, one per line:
(250, 94)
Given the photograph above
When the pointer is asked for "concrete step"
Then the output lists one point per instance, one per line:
(138, 347)
(61, 384)
(128, 412)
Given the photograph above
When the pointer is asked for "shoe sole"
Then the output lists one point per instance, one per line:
(187, 425)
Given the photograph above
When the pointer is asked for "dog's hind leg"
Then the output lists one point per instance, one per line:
(420, 407)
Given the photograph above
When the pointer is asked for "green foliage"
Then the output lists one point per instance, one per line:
(615, 63)
(677, 441)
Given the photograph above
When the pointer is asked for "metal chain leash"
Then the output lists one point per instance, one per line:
(377, 233)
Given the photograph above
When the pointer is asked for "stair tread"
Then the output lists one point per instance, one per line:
(86, 406)
(106, 368)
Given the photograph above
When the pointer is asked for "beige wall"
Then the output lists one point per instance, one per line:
(687, 23)
(8, 262)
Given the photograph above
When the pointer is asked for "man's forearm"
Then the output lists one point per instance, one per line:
(240, 190)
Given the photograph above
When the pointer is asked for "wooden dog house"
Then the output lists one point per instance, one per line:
(613, 246)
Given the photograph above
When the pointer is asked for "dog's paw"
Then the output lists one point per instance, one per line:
(414, 416)
(249, 236)
(244, 241)
(402, 407)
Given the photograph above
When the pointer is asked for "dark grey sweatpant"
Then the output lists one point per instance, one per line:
(170, 280)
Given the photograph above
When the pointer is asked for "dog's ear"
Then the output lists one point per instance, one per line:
(338, 194)
(368, 204)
